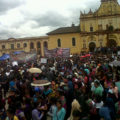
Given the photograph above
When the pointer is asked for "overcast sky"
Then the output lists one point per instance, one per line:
(28, 18)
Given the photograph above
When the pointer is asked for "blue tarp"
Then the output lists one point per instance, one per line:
(5, 57)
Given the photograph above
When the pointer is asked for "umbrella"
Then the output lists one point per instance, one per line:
(115, 63)
(40, 83)
(87, 55)
(35, 70)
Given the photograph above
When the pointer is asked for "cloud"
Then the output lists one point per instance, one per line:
(6, 5)
(27, 18)
(51, 19)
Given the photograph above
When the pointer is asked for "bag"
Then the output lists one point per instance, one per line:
(93, 111)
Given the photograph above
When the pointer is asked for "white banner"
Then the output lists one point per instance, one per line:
(43, 60)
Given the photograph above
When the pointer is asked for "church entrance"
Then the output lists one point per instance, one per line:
(92, 47)
(111, 43)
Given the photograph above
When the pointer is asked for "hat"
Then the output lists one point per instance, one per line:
(62, 84)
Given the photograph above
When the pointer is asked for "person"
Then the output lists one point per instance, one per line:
(36, 115)
(19, 113)
(75, 109)
(115, 90)
(11, 115)
(104, 112)
(52, 108)
(76, 115)
(98, 89)
(59, 113)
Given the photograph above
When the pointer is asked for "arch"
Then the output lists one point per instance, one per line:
(38, 45)
(25, 45)
(45, 44)
(92, 46)
(31, 45)
(111, 43)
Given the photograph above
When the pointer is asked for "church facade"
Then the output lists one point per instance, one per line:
(97, 29)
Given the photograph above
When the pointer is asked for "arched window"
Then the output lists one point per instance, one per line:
(31, 45)
(38, 45)
(18, 45)
(59, 42)
(73, 42)
(12, 46)
(91, 29)
(3, 46)
(25, 45)
(45, 44)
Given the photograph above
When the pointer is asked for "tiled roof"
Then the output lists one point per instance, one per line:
(65, 30)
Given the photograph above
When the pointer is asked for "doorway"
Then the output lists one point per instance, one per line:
(92, 47)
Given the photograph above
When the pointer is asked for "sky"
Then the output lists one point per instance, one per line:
(32, 18)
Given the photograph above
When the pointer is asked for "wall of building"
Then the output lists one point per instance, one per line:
(66, 42)
(21, 41)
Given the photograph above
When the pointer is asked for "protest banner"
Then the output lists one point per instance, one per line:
(43, 60)
(57, 52)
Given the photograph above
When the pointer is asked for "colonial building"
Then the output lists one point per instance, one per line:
(97, 29)
(24, 44)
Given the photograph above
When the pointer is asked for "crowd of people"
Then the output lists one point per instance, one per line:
(81, 89)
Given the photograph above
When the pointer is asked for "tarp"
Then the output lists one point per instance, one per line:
(57, 52)
(5, 57)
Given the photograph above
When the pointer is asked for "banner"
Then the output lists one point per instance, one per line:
(57, 52)
(43, 60)
(49, 53)
(23, 57)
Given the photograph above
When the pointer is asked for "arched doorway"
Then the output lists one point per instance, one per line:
(38, 48)
(92, 47)
(31, 45)
(45, 44)
(111, 43)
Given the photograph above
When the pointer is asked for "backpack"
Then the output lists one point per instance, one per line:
(93, 110)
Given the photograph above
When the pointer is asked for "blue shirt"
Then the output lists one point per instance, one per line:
(12, 84)
(59, 115)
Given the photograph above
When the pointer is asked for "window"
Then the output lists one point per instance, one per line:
(73, 42)
(100, 44)
(59, 43)
(84, 45)
(12, 46)
(25, 45)
(38, 45)
(18, 45)
(91, 29)
(3, 46)
(106, 27)
(31, 45)
(45, 44)
(99, 27)
(110, 28)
